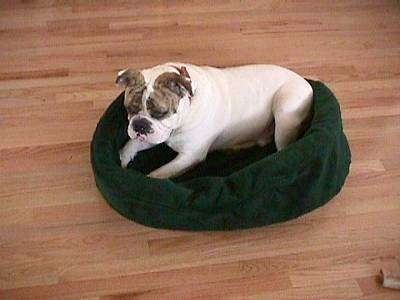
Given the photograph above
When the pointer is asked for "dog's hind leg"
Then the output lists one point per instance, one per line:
(267, 135)
(291, 107)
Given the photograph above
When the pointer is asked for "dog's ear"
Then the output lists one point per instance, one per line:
(129, 77)
(176, 83)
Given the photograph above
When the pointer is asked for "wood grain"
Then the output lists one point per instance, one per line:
(58, 237)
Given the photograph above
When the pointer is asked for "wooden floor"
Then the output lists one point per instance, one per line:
(58, 237)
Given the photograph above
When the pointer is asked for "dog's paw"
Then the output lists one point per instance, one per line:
(125, 158)
(157, 174)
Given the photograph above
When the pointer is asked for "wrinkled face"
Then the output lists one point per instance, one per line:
(155, 99)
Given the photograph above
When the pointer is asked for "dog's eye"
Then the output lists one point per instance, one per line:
(157, 114)
(154, 111)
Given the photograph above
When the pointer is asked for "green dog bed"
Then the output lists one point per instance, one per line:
(229, 190)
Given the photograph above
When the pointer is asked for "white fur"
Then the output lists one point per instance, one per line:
(121, 72)
(230, 107)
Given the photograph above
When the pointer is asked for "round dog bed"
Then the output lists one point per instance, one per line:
(229, 190)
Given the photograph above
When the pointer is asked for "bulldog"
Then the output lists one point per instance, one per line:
(197, 109)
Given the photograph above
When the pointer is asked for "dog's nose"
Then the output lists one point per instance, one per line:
(142, 126)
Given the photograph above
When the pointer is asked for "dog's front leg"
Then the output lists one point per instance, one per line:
(176, 167)
(128, 152)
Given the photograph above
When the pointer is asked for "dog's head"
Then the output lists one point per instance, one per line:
(156, 100)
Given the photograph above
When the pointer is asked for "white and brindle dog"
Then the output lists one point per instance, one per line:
(197, 109)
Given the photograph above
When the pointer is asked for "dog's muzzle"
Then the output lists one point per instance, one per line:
(142, 126)
(150, 131)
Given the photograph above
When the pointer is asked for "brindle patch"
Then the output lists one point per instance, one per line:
(169, 88)
(175, 83)
(133, 101)
(130, 78)
(159, 106)
(134, 84)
